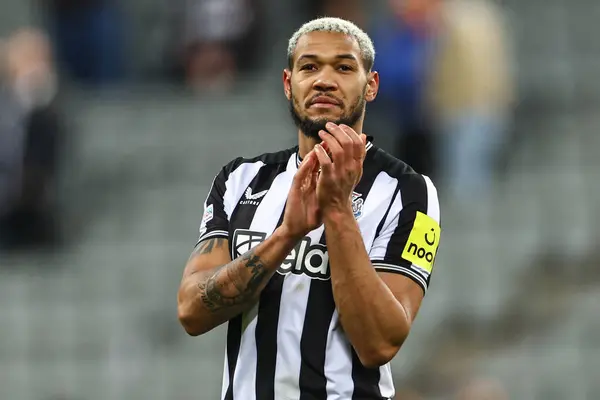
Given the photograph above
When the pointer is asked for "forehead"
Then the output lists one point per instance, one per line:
(327, 44)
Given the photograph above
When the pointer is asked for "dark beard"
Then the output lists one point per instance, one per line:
(310, 128)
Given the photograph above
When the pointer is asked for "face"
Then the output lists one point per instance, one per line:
(328, 82)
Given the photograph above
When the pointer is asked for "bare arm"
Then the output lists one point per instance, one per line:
(376, 315)
(376, 310)
(215, 289)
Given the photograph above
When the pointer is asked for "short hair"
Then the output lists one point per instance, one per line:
(335, 25)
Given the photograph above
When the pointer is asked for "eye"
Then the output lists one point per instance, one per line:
(308, 67)
(345, 68)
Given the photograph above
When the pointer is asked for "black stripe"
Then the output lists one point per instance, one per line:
(414, 198)
(234, 338)
(370, 171)
(241, 217)
(266, 335)
(376, 162)
(366, 380)
(382, 222)
(406, 274)
(313, 344)
(319, 312)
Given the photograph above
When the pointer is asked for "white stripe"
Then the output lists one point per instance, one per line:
(225, 383)
(433, 203)
(211, 234)
(244, 376)
(376, 203)
(338, 358)
(265, 220)
(294, 299)
(338, 363)
(420, 271)
(237, 182)
(380, 245)
(292, 310)
(397, 268)
(386, 381)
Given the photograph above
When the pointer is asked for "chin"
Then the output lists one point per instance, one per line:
(325, 115)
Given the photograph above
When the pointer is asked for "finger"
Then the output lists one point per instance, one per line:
(305, 167)
(355, 137)
(324, 160)
(313, 178)
(358, 145)
(342, 137)
(332, 147)
(312, 166)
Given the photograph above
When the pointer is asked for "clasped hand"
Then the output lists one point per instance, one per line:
(326, 178)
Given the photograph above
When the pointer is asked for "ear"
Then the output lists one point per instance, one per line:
(372, 86)
(287, 83)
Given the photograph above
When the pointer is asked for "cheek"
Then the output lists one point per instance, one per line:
(297, 96)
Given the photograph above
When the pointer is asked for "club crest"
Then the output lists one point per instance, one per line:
(357, 204)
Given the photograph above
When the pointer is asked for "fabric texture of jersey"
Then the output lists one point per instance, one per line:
(291, 345)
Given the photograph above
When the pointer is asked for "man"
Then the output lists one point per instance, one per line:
(472, 93)
(405, 42)
(332, 241)
(30, 143)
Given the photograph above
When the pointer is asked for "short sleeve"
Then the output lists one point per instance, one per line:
(215, 222)
(408, 241)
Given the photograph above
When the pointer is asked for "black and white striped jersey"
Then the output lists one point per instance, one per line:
(291, 346)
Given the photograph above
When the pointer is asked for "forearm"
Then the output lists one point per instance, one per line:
(208, 299)
(371, 316)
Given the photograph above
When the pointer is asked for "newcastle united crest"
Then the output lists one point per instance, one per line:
(357, 204)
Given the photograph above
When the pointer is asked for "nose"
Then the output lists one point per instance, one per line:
(324, 83)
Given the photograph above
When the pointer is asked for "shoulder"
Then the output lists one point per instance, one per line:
(410, 183)
(270, 159)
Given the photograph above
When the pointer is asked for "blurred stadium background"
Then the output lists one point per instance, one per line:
(115, 116)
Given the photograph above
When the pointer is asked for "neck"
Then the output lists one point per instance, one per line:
(306, 144)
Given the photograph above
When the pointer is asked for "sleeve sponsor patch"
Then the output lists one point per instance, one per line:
(423, 242)
(208, 215)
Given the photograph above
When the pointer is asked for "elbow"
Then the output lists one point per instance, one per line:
(189, 321)
(381, 354)
(378, 357)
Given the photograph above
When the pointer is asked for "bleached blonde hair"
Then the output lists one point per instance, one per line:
(335, 25)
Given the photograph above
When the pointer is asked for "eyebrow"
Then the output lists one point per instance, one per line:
(339, 57)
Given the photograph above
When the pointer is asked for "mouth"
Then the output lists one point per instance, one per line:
(325, 102)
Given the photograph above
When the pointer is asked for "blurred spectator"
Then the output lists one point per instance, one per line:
(471, 92)
(89, 39)
(404, 42)
(29, 142)
(220, 40)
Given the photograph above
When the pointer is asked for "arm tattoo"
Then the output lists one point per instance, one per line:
(207, 246)
(212, 289)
